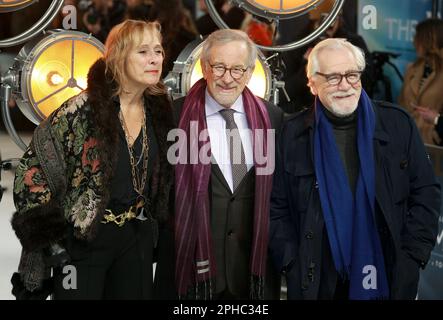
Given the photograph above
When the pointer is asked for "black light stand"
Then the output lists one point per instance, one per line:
(277, 67)
(381, 58)
(1, 187)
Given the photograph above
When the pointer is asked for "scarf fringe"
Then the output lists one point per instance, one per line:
(256, 289)
(201, 291)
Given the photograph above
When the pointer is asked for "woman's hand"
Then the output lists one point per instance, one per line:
(430, 116)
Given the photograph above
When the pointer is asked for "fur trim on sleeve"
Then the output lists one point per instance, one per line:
(39, 227)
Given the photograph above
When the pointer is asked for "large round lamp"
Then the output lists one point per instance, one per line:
(281, 9)
(47, 71)
(13, 5)
(53, 70)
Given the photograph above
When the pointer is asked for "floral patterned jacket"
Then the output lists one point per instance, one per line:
(83, 173)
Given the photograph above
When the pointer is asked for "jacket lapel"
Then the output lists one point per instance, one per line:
(216, 171)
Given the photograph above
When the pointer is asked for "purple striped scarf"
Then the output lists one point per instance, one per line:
(195, 263)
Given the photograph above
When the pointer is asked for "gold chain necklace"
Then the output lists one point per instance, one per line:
(138, 178)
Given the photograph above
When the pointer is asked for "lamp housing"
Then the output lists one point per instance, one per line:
(50, 69)
(277, 9)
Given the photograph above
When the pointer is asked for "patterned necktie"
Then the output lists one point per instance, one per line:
(236, 152)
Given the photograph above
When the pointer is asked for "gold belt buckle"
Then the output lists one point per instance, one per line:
(120, 219)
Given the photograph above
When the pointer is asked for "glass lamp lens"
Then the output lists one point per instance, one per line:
(60, 72)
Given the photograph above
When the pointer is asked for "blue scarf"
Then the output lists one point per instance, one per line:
(349, 219)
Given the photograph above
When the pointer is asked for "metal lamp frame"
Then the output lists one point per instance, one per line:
(338, 4)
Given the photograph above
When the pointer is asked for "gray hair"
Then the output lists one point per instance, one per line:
(224, 36)
(333, 43)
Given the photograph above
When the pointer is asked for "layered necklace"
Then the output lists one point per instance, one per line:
(138, 176)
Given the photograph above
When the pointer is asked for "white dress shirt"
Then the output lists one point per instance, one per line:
(217, 135)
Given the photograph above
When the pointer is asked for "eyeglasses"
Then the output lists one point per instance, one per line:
(219, 71)
(335, 79)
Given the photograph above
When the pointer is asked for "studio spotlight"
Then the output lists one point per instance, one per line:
(48, 71)
(277, 10)
(282, 9)
(187, 71)
(40, 25)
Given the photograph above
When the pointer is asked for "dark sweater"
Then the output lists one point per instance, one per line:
(345, 132)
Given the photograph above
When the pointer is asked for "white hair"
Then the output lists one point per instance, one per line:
(334, 44)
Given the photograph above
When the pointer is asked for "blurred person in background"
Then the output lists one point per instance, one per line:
(102, 15)
(232, 15)
(178, 29)
(423, 80)
(139, 9)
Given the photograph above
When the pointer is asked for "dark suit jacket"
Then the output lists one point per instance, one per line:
(232, 225)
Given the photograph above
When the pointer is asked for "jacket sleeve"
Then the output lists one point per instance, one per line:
(282, 241)
(39, 220)
(421, 227)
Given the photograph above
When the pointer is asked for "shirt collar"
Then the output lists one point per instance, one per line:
(212, 107)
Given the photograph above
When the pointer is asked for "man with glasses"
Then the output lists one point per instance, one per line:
(222, 198)
(355, 203)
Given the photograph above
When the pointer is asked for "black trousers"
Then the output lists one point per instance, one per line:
(117, 264)
(227, 295)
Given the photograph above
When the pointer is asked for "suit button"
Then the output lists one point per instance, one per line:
(232, 199)
(404, 164)
(305, 285)
(230, 232)
(309, 235)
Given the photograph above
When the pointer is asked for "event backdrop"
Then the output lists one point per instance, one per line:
(394, 32)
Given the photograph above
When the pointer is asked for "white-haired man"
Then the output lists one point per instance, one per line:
(355, 203)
